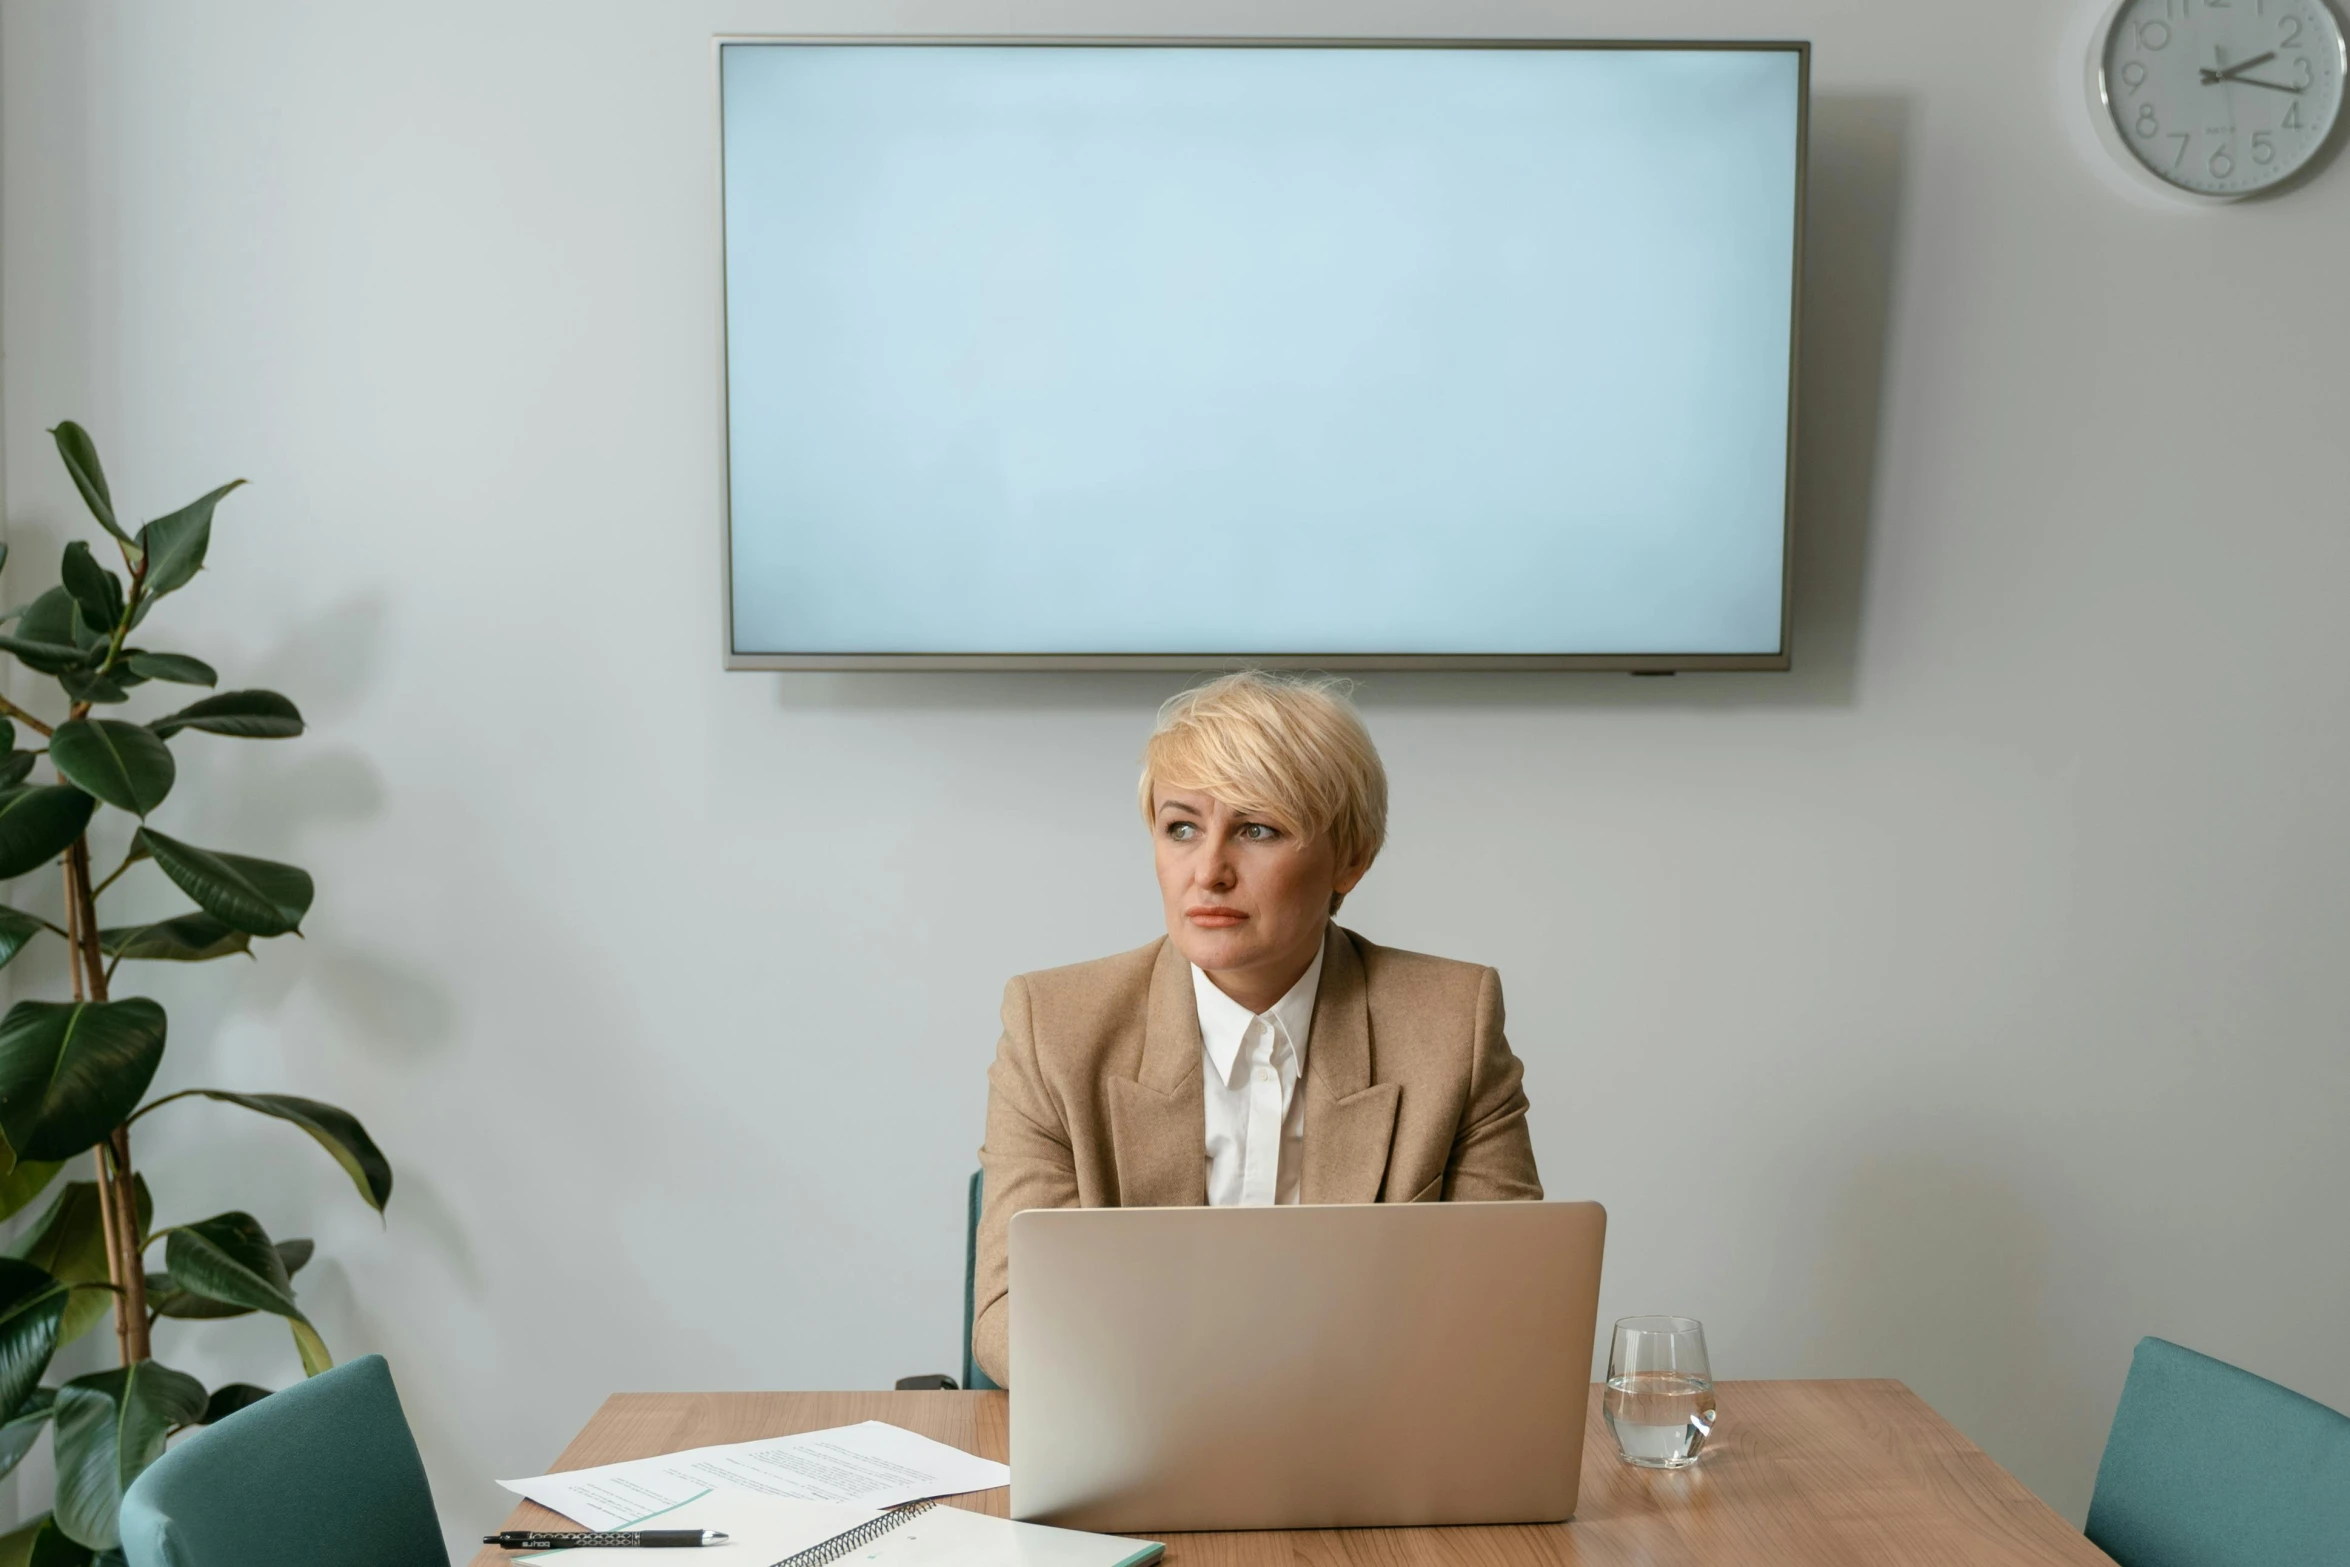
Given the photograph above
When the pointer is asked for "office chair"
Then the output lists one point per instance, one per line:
(973, 1378)
(325, 1471)
(2209, 1466)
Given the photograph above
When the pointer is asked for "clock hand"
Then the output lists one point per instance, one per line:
(2230, 73)
(2254, 81)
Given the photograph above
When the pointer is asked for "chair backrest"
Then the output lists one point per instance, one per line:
(973, 1377)
(2209, 1466)
(325, 1471)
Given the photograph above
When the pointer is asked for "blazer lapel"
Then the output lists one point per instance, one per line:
(1350, 1120)
(1159, 1118)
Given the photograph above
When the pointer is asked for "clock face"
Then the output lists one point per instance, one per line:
(2223, 97)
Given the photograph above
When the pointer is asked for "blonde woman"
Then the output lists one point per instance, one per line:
(1257, 1053)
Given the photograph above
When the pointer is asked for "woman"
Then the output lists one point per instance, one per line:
(1257, 1053)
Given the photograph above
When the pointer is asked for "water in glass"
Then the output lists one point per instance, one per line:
(1661, 1418)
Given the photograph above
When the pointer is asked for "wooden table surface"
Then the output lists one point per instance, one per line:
(1820, 1474)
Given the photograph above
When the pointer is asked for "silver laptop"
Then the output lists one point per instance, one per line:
(1301, 1368)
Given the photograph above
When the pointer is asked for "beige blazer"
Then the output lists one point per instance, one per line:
(1096, 1100)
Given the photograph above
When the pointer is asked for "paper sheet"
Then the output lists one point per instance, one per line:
(760, 1530)
(872, 1465)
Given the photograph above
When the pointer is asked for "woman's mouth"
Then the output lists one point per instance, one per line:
(1213, 915)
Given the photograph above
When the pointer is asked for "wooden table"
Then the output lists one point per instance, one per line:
(1820, 1474)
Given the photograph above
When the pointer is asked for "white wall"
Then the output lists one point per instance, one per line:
(1957, 1008)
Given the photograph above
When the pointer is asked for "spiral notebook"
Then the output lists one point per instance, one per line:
(774, 1532)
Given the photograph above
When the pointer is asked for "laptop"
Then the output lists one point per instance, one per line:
(1301, 1368)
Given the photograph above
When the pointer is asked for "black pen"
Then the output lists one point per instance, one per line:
(564, 1540)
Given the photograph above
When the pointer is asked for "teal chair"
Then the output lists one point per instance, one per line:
(324, 1472)
(973, 1377)
(2209, 1466)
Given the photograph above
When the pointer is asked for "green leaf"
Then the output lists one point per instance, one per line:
(226, 1401)
(248, 715)
(16, 928)
(96, 591)
(31, 1306)
(81, 460)
(259, 897)
(230, 1258)
(72, 1071)
(177, 667)
(337, 1131)
(7, 729)
(296, 1254)
(124, 765)
(50, 658)
(15, 768)
(176, 544)
(185, 938)
(22, 1429)
(28, 1180)
(49, 619)
(85, 685)
(110, 1427)
(167, 1299)
(39, 824)
(69, 1243)
(41, 1543)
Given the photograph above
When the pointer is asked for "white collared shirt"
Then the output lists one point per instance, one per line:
(1252, 1064)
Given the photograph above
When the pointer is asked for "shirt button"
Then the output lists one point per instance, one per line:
(1264, 1074)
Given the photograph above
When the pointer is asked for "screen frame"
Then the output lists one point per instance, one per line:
(1634, 663)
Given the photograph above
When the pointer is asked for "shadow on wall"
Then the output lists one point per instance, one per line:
(1853, 188)
(1937, 1272)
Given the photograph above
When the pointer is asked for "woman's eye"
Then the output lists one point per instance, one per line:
(1259, 832)
(1181, 832)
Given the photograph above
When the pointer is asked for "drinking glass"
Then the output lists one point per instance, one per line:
(1660, 1391)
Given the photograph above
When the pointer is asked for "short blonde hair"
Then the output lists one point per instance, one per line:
(1289, 748)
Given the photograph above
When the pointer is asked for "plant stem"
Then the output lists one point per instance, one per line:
(117, 1191)
(9, 709)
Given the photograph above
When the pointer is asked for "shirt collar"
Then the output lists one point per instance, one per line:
(1223, 1021)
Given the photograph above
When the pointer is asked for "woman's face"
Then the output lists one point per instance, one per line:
(1245, 900)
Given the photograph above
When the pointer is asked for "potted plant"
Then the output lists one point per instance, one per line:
(74, 1073)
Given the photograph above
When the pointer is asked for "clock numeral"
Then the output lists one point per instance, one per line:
(2146, 125)
(2292, 120)
(2291, 27)
(2222, 5)
(2179, 162)
(2221, 165)
(2264, 150)
(2134, 75)
(2308, 75)
(2154, 35)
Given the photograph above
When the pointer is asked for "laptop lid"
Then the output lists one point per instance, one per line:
(1301, 1367)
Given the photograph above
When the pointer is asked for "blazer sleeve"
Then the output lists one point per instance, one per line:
(1027, 1163)
(1492, 1155)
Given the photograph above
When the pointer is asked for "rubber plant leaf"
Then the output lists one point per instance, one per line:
(259, 897)
(126, 765)
(72, 1071)
(26, 1181)
(176, 667)
(176, 544)
(21, 1430)
(32, 1304)
(81, 461)
(245, 715)
(230, 1258)
(110, 1426)
(41, 1543)
(16, 928)
(184, 938)
(97, 592)
(337, 1131)
(39, 824)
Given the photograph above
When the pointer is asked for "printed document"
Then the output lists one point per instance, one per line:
(872, 1465)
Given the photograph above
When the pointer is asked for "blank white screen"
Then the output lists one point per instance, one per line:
(1288, 350)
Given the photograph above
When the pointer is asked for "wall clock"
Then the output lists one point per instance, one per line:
(2218, 99)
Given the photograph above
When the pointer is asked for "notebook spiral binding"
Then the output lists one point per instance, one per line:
(856, 1539)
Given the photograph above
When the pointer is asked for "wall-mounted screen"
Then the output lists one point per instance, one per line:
(1169, 354)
